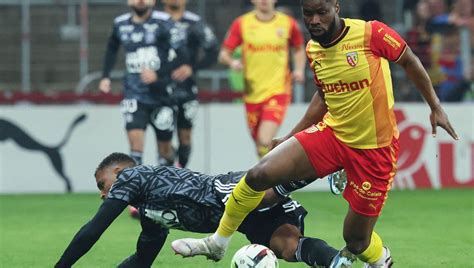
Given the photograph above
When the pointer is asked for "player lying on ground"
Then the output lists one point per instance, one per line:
(175, 198)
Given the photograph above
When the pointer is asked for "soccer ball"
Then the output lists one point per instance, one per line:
(254, 256)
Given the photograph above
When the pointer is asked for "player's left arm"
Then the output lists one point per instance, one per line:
(418, 75)
(202, 37)
(150, 242)
(207, 42)
(387, 43)
(177, 56)
(91, 232)
(299, 59)
(298, 51)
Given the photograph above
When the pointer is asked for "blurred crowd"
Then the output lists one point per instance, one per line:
(433, 30)
(440, 32)
(436, 36)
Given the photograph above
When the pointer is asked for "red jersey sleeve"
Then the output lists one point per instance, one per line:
(296, 36)
(233, 38)
(386, 42)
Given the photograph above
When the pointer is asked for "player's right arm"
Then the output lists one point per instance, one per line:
(314, 114)
(232, 40)
(110, 57)
(91, 232)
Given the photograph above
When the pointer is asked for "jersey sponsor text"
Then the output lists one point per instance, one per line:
(341, 87)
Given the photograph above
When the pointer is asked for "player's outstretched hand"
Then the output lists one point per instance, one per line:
(104, 85)
(148, 76)
(439, 118)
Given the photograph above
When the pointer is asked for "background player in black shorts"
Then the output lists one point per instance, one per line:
(145, 35)
(176, 198)
(203, 49)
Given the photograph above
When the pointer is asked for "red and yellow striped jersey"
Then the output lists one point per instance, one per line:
(265, 47)
(354, 75)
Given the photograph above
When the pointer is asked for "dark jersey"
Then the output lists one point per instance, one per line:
(196, 35)
(175, 198)
(146, 45)
(202, 47)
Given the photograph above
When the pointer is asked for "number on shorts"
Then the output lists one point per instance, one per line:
(129, 106)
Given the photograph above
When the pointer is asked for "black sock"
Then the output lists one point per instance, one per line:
(137, 156)
(184, 151)
(313, 251)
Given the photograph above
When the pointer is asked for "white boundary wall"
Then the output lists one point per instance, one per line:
(221, 144)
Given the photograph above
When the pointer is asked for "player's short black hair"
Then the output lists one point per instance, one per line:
(114, 158)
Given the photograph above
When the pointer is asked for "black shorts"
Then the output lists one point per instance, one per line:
(186, 113)
(186, 100)
(259, 226)
(138, 115)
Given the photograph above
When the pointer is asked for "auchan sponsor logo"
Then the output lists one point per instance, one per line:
(265, 48)
(340, 86)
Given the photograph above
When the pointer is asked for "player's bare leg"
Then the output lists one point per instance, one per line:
(166, 153)
(289, 244)
(357, 231)
(284, 242)
(363, 242)
(136, 140)
(283, 164)
(266, 132)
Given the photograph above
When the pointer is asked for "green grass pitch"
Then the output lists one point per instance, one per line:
(422, 228)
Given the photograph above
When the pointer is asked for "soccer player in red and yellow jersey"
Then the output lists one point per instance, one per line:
(266, 37)
(349, 124)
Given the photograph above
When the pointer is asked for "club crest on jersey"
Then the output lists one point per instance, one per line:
(137, 37)
(352, 58)
(280, 32)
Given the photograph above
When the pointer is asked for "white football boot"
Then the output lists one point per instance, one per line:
(343, 259)
(337, 181)
(190, 247)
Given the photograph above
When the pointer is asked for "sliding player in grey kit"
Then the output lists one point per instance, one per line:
(176, 198)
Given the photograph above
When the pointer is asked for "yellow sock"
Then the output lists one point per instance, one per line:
(262, 150)
(242, 201)
(374, 251)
